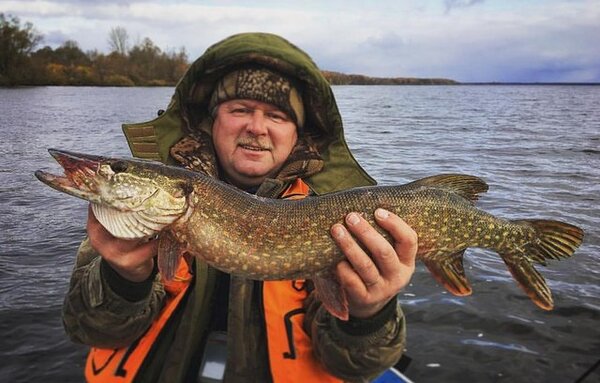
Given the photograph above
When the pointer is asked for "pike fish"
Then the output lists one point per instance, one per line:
(267, 239)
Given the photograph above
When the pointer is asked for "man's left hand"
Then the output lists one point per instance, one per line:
(375, 270)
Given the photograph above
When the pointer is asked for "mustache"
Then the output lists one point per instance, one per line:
(254, 142)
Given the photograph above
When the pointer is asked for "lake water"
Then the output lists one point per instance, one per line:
(538, 147)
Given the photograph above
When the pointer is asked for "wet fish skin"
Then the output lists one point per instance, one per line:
(268, 239)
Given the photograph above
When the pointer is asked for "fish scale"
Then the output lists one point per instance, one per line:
(269, 239)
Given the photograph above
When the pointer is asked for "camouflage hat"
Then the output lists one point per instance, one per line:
(260, 84)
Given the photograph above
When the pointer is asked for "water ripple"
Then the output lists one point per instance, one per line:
(504, 346)
(537, 147)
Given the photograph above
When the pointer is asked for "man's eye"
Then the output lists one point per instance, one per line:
(240, 111)
(278, 117)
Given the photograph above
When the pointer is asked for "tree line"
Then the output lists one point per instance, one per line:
(142, 64)
(336, 78)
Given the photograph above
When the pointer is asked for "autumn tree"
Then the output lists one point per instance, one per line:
(147, 63)
(70, 54)
(144, 64)
(16, 44)
(176, 65)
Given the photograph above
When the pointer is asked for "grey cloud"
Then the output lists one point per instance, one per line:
(386, 41)
(95, 2)
(54, 38)
(452, 4)
(506, 46)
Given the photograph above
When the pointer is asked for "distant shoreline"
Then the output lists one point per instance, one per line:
(531, 83)
(337, 78)
(456, 83)
(334, 79)
(342, 79)
(415, 82)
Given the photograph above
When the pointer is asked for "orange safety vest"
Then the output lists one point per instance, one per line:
(291, 357)
(106, 365)
(290, 349)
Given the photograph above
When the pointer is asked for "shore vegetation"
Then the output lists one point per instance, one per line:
(24, 61)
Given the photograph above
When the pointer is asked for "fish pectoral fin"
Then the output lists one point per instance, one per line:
(169, 254)
(450, 273)
(331, 294)
(125, 224)
(530, 280)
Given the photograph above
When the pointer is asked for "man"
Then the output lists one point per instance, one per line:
(254, 111)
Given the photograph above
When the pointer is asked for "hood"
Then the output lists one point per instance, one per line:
(188, 109)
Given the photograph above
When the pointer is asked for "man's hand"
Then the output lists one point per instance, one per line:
(132, 259)
(374, 276)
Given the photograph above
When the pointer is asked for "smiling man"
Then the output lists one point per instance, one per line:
(254, 111)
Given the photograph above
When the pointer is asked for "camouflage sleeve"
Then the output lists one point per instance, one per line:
(97, 314)
(357, 350)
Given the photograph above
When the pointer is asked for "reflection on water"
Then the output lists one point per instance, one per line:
(504, 346)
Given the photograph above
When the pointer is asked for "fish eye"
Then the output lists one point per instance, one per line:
(118, 166)
(186, 188)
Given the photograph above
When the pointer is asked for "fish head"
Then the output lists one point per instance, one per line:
(125, 193)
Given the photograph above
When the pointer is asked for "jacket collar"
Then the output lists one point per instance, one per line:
(188, 113)
(196, 152)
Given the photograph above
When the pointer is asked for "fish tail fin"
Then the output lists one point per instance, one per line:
(450, 273)
(553, 240)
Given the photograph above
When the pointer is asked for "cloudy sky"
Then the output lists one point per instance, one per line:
(465, 40)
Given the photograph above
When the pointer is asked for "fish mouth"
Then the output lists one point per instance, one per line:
(80, 170)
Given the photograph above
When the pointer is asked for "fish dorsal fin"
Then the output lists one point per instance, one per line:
(130, 224)
(468, 187)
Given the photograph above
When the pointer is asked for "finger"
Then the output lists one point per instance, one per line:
(379, 252)
(91, 215)
(135, 265)
(360, 261)
(138, 255)
(350, 281)
(405, 238)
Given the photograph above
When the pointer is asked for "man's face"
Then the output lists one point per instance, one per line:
(252, 140)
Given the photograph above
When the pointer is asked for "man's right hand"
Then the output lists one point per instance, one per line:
(132, 259)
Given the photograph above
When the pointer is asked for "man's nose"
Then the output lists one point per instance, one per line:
(257, 123)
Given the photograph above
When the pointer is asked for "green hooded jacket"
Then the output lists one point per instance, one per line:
(106, 311)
